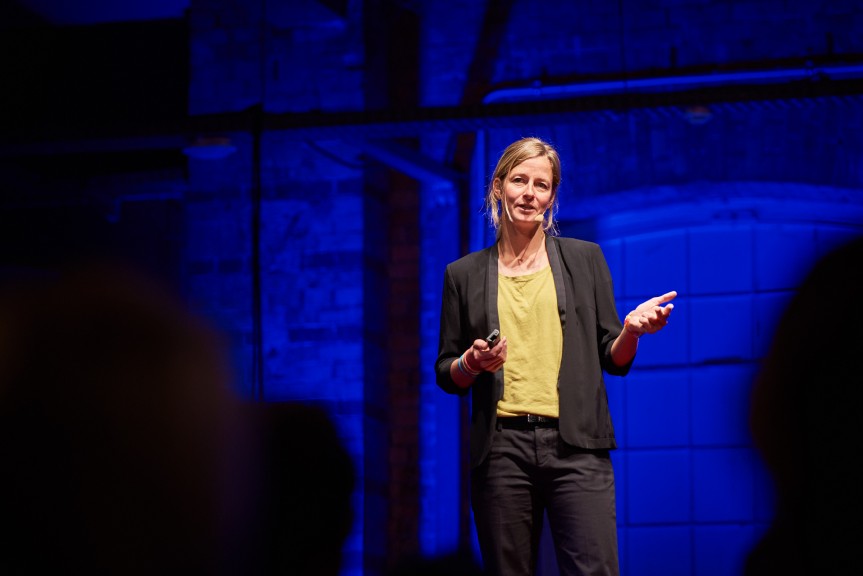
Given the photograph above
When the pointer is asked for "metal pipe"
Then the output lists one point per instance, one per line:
(671, 83)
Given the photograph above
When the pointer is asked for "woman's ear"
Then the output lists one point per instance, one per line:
(495, 187)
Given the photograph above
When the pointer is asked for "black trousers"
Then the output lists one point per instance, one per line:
(530, 472)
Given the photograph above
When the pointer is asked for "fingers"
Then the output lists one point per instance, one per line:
(490, 359)
(649, 317)
(658, 300)
(495, 366)
(667, 297)
(481, 347)
(660, 314)
(658, 320)
(655, 301)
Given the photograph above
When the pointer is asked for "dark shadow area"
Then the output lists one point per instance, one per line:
(45, 240)
(85, 80)
(805, 419)
(455, 564)
(301, 493)
(116, 421)
(124, 450)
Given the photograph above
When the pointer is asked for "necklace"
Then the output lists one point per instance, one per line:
(524, 262)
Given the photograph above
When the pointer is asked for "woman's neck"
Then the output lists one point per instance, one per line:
(520, 253)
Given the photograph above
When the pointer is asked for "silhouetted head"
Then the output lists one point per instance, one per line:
(805, 420)
(304, 489)
(115, 415)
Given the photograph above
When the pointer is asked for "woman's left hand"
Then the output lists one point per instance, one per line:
(650, 316)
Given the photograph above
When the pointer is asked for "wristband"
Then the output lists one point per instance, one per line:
(465, 367)
(461, 368)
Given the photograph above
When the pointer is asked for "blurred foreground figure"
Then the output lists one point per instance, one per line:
(458, 563)
(124, 449)
(805, 420)
(303, 488)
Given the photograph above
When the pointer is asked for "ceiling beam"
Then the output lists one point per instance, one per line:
(381, 124)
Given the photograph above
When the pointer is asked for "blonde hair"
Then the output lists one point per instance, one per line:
(512, 156)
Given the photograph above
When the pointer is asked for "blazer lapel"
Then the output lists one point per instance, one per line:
(554, 259)
(491, 310)
(491, 291)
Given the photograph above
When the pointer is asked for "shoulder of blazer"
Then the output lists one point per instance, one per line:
(579, 253)
(574, 245)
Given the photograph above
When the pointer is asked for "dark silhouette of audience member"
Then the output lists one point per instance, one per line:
(114, 410)
(459, 563)
(304, 489)
(125, 450)
(805, 419)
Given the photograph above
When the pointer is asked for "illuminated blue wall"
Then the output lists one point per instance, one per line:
(688, 478)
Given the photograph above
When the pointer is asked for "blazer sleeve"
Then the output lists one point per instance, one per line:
(450, 343)
(608, 323)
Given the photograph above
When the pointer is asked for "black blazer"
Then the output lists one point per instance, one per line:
(588, 316)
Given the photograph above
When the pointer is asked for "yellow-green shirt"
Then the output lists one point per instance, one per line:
(527, 309)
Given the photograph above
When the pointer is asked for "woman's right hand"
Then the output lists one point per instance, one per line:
(481, 357)
(477, 359)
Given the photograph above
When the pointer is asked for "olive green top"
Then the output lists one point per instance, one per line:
(529, 318)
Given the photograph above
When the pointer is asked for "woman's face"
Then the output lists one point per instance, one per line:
(526, 191)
